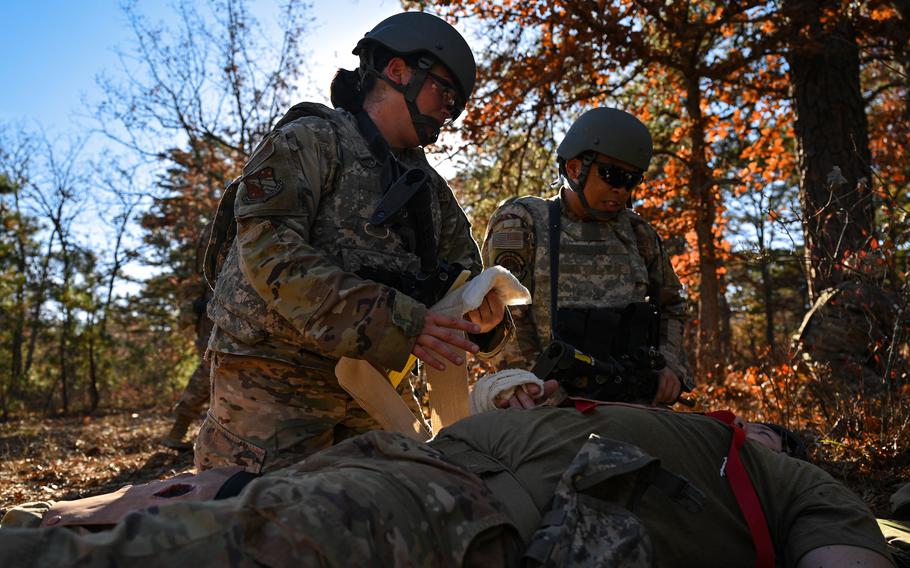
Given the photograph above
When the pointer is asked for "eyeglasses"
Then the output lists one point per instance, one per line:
(447, 91)
(617, 176)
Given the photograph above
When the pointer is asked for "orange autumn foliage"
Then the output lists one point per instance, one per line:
(704, 76)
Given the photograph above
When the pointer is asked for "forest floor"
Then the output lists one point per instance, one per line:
(67, 458)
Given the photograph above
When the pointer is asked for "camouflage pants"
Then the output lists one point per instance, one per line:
(196, 394)
(265, 414)
(379, 500)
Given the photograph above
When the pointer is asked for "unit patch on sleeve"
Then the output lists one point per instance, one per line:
(261, 186)
(513, 262)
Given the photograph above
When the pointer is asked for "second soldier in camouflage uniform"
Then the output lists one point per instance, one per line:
(310, 276)
(609, 256)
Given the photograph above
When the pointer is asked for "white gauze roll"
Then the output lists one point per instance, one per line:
(500, 386)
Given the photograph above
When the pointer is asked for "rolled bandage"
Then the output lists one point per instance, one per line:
(469, 297)
(500, 386)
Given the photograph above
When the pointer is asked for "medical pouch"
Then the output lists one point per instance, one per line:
(591, 520)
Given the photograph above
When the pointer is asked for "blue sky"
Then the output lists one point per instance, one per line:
(53, 49)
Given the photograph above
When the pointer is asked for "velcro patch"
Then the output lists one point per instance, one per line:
(261, 186)
(260, 155)
(508, 240)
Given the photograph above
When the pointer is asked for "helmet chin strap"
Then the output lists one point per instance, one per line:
(425, 126)
(579, 188)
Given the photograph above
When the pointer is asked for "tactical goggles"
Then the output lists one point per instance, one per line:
(449, 93)
(617, 176)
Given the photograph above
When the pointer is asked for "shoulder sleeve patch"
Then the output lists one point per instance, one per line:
(278, 178)
(261, 186)
(514, 263)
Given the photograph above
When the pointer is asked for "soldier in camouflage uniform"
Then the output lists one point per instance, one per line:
(195, 396)
(609, 257)
(322, 254)
(488, 490)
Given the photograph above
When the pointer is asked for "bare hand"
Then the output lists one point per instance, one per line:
(489, 313)
(668, 387)
(442, 337)
(531, 398)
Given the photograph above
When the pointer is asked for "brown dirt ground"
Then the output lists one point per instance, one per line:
(67, 458)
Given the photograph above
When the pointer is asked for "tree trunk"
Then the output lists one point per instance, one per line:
(4, 407)
(17, 341)
(20, 307)
(709, 349)
(92, 368)
(767, 286)
(64, 395)
(832, 136)
(66, 329)
(726, 329)
(767, 283)
(35, 323)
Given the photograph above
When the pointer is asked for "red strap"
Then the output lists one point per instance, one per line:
(724, 416)
(745, 493)
(739, 480)
(584, 406)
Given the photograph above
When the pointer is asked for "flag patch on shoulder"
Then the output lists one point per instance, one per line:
(508, 240)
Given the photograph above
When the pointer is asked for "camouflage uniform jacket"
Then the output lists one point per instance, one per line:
(286, 289)
(602, 264)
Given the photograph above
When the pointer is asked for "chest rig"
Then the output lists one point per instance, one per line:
(600, 331)
(406, 210)
(586, 266)
(604, 353)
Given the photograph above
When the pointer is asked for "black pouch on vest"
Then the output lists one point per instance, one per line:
(640, 327)
(610, 332)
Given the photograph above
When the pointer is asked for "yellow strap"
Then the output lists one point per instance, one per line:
(370, 389)
(395, 377)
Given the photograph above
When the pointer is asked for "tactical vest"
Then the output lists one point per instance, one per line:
(338, 229)
(600, 263)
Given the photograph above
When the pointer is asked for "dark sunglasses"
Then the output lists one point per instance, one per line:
(617, 176)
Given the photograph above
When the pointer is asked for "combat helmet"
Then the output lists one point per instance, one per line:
(430, 39)
(606, 131)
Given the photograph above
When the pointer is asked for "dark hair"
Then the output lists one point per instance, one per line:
(790, 442)
(348, 91)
